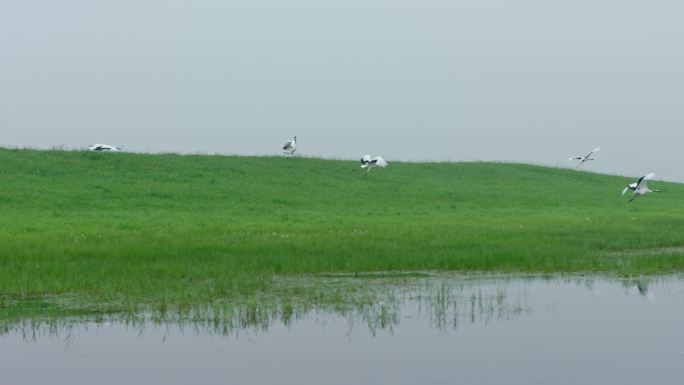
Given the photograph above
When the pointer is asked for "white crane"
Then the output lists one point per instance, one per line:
(290, 146)
(103, 147)
(640, 187)
(585, 158)
(368, 163)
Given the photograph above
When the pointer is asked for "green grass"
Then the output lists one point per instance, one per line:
(118, 228)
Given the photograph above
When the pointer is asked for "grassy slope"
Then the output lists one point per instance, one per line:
(188, 227)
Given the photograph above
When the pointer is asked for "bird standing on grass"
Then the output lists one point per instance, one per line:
(103, 147)
(290, 146)
(368, 163)
(640, 187)
(585, 158)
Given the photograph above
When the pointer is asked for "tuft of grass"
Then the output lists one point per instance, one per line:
(140, 229)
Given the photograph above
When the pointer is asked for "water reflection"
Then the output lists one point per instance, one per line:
(377, 302)
(436, 329)
(374, 302)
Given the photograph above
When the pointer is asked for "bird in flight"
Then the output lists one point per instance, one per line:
(584, 158)
(640, 187)
(368, 163)
(290, 146)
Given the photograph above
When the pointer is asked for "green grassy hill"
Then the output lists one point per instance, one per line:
(108, 224)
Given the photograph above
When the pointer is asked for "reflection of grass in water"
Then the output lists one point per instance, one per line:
(374, 303)
(449, 305)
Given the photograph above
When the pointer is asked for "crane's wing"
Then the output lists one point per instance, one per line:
(365, 160)
(577, 157)
(379, 161)
(631, 186)
(287, 145)
(593, 151)
(643, 180)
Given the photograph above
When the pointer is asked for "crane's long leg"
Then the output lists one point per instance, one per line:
(634, 197)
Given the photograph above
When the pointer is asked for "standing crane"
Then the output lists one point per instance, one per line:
(290, 146)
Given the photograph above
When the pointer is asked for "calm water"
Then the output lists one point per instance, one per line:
(431, 330)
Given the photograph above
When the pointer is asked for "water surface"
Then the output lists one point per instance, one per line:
(433, 329)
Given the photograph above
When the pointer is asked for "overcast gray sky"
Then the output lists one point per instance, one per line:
(514, 80)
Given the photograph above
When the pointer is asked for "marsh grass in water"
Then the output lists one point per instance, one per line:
(110, 232)
(444, 300)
